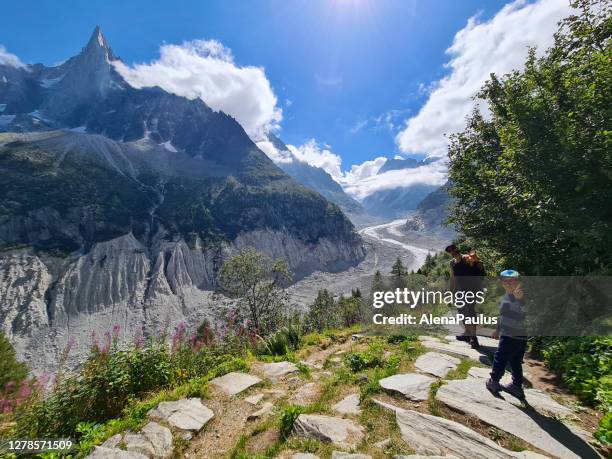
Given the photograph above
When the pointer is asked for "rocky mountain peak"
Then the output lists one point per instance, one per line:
(97, 45)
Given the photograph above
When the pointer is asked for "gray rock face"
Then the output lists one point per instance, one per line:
(412, 385)
(276, 370)
(46, 301)
(470, 396)
(348, 405)
(100, 452)
(304, 456)
(235, 382)
(187, 414)
(341, 432)
(436, 364)
(438, 436)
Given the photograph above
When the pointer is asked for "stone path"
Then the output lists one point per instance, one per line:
(213, 428)
(549, 435)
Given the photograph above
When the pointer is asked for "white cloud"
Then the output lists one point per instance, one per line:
(206, 69)
(479, 49)
(431, 174)
(319, 155)
(9, 59)
(363, 171)
(276, 155)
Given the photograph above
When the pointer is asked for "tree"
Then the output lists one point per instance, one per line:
(11, 371)
(322, 314)
(378, 284)
(399, 272)
(532, 181)
(258, 283)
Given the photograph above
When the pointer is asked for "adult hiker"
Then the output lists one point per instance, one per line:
(512, 337)
(467, 275)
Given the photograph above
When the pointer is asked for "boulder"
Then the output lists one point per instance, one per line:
(470, 396)
(436, 364)
(235, 382)
(341, 432)
(187, 414)
(412, 385)
(348, 405)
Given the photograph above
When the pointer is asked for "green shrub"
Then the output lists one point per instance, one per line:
(604, 433)
(397, 338)
(288, 417)
(281, 342)
(358, 361)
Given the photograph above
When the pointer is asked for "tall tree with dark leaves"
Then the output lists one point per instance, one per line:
(533, 179)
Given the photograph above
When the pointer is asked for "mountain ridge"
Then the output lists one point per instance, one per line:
(118, 205)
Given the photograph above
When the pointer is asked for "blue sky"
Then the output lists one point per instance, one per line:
(347, 74)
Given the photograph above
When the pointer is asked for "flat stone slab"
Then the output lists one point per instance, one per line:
(153, 441)
(412, 385)
(343, 455)
(307, 394)
(432, 435)
(260, 413)
(187, 414)
(482, 340)
(456, 348)
(341, 432)
(436, 364)
(100, 452)
(254, 399)
(419, 456)
(235, 382)
(304, 456)
(348, 405)
(277, 370)
(539, 400)
(485, 373)
(547, 434)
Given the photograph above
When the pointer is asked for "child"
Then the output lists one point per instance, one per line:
(512, 337)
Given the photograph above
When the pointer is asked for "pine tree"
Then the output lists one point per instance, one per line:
(399, 272)
(377, 282)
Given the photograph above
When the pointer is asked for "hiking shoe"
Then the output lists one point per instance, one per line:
(462, 338)
(474, 343)
(514, 390)
(493, 386)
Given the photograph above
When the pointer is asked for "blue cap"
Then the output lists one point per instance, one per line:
(509, 273)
